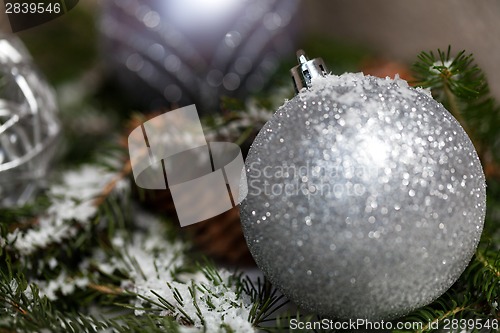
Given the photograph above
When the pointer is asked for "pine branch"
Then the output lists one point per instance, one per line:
(23, 310)
(445, 315)
(459, 83)
(24, 216)
(108, 188)
(198, 302)
(265, 298)
(106, 289)
(490, 266)
(449, 306)
(483, 274)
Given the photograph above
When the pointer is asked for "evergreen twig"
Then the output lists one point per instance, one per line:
(459, 83)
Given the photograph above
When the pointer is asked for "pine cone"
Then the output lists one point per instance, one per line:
(220, 237)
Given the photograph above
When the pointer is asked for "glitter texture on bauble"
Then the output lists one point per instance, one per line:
(366, 198)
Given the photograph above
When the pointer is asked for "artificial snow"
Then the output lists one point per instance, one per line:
(151, 262)
(62, 284)
(330, 86)
(147, 257)
(71, 201)
(439, 63)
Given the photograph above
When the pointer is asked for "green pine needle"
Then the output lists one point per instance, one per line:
(461, 86)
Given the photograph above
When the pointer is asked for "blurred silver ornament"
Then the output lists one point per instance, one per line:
(366, 197)
(194, 51)
(29, 127)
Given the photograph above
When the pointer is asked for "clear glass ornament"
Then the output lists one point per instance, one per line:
(29, 127)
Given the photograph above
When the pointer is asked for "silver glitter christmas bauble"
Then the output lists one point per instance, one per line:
(195, 51)
(366, 198)
(29, 127)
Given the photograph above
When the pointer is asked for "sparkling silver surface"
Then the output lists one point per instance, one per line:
(366, 198)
